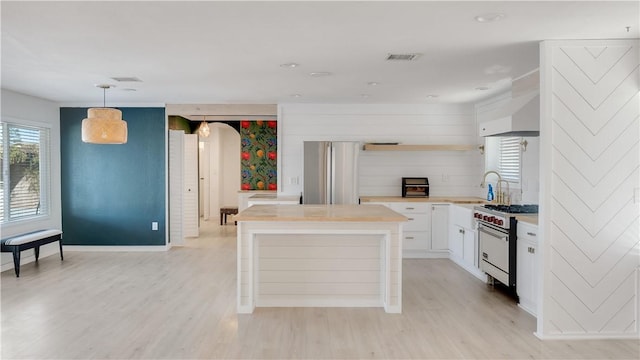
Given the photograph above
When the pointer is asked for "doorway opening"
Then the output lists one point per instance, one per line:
(219, 168)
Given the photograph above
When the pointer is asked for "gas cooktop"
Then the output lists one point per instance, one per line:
(514, 209)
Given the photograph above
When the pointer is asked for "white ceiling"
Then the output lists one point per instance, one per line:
(230, 52)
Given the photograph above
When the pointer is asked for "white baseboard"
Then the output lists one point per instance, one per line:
(593, 336)
(424, 254)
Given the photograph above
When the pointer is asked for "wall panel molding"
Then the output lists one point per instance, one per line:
(590, 221)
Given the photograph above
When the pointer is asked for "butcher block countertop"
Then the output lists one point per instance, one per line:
(531, 219)
(335, 213)
(431, 199)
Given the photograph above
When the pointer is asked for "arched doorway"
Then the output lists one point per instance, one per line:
(219, 162)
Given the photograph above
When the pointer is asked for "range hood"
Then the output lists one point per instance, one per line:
(519, 117)
(520, 114)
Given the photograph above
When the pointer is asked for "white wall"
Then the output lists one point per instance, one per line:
(450, 172)
(590, 188)
(24, 109)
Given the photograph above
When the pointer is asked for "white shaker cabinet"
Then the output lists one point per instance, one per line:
(463, 240)
(527, 267)
(440, 227)
(419, 230)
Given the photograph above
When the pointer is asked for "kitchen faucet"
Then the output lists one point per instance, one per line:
(500, 196)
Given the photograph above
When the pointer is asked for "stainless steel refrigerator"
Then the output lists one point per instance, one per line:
(330, 172)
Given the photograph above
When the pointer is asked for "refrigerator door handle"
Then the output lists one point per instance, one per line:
(328, 151)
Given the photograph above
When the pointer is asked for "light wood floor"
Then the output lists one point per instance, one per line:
(181, 304)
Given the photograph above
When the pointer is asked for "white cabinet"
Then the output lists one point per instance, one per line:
(527, 267)
(463, 240)
(440, 227)
(419, 230)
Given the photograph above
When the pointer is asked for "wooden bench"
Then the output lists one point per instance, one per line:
(227, 210)
(32, 240)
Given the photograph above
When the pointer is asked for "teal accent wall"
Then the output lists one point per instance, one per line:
(112, 193)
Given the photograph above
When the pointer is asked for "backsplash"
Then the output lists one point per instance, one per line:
(258, 154)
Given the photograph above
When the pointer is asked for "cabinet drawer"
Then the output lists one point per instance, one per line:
(410, 208)
(413, 240)
(416, 222)
(528, 232)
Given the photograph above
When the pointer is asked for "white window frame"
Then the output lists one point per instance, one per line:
(499, 159)
(44, 170)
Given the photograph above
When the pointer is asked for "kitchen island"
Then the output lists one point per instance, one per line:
(319, 256)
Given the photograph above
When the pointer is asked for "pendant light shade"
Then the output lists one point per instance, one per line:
(104, 125)
(203, 129)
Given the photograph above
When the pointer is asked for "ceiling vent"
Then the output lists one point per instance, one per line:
(402, 57)
(126, 79)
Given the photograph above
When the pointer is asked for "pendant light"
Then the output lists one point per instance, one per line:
(203, 129)
(104, 125)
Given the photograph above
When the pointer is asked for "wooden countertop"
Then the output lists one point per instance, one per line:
(258, 197)
(438, 199)
(327, 213)
(531, 219)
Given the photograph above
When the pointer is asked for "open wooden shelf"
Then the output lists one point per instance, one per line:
(375, 147)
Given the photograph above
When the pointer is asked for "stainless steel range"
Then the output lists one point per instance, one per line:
(497, 231)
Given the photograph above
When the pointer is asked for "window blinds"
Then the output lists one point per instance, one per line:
(509, 161)
(25, 171)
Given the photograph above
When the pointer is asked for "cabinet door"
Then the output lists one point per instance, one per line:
(439, 226)
(456, 241)
(526, 277)
(470, 247)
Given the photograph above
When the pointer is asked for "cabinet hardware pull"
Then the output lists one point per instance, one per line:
(411, 219)
(531, 234)
(410, 208)
(461, 231)
(533, 250)
(409, 237)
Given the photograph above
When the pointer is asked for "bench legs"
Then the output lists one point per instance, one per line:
(35, 245)
(16, 261)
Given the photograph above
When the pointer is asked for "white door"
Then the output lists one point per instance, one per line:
(183, 186)
(176, 180)
(190, 199)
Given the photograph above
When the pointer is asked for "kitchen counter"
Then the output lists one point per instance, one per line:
(273, 199)
(531, 219)
(337, 213)
(319, 256)
(432, 199)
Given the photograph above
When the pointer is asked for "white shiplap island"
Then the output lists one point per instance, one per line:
(320, 256)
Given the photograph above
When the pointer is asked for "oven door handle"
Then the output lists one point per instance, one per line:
(494, 233)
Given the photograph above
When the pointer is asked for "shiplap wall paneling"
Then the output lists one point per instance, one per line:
(591, 160)
(380, 172)
(322, 277)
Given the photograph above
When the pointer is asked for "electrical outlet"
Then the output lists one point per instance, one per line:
(154, 226)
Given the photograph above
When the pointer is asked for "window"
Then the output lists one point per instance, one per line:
(24, 157)
(503, 154)
(509, 159)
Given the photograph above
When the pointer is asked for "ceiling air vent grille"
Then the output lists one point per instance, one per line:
(126, 79)
(402, 57)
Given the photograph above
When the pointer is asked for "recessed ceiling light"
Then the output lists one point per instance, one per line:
(296, 95)
(482, 88)
(129, 89)
(289, 65)
(373, 83)
(364, 96)
(403, 57)
(126, 79)
(319, 73)
(490, 17)
(432, 96)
